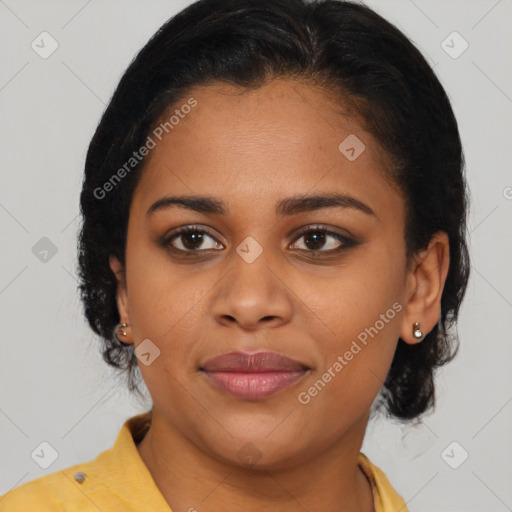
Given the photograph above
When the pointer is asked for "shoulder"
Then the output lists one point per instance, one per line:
(56, 492)
(110, 481)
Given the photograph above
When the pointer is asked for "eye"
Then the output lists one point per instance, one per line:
(191, 239)
(319, 239)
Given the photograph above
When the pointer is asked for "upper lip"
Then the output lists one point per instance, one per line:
(258, 362)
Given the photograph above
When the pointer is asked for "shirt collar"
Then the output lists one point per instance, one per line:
(121, 472)
(118, 476)
(385, 498)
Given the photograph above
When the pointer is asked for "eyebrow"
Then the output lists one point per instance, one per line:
(286, 207)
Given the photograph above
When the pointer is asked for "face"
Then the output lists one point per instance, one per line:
(323, 283)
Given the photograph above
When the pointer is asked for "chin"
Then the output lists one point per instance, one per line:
(259, 453)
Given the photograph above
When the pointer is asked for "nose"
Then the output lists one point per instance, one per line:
(253, 295)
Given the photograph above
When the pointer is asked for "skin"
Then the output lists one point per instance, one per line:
(252, 148)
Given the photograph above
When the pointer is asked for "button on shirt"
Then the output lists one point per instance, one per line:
(117, 480)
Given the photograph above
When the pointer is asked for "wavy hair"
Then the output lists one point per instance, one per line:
(350, 51)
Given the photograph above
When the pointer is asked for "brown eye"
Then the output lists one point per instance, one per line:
(322, 240)
(191, 239)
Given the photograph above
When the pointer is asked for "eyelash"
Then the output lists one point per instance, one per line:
(166, 241)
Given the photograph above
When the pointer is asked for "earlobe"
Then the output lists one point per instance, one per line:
(425, 284)
(122, 330)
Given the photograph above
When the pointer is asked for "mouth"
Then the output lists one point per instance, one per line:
(253, 376)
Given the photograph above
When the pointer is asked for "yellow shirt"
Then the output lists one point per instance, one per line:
(119, 481)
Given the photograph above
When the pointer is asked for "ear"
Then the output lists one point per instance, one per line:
(425, 283)
(122, 300)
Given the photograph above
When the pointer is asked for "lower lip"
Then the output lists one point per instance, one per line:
(254, 385)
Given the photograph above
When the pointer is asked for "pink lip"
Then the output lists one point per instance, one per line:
(253, 376)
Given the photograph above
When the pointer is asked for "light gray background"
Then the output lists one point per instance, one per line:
(54, 385)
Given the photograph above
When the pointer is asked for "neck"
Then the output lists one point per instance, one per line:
(191, 479)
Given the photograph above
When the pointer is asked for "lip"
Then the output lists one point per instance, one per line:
(253, 376)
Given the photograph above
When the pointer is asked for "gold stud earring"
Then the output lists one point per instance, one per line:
(123, 332)
(123, 326)
(416, 331)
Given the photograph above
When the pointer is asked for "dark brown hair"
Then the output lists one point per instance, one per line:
(342, 46)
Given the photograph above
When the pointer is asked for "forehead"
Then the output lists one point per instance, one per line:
(256, 145)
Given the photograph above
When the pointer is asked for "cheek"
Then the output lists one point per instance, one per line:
(357, 295)
(355, 367)
(158, 296)
(166, 310)
(167, 306)
(362, 307)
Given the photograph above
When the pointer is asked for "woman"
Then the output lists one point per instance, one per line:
(274, 217)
